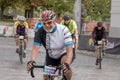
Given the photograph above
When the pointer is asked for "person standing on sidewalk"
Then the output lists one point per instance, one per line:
(98, 34)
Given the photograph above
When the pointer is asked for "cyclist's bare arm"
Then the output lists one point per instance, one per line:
(69, 54)
(75, 28)
(76, 33)
(104, 33)
(15, 27)
(27, 31)
(27, 28)
(34, 52)
(14, 31)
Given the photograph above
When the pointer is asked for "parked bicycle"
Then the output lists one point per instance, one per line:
(54, 73)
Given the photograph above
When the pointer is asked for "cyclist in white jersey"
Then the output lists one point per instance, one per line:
(57, 41)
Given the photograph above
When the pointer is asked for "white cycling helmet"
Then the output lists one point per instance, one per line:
(22, 18)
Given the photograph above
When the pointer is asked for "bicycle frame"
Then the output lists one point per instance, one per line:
(100, 43)
(59, 76)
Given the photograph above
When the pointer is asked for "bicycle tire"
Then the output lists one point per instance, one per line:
(100, 64)
(21, 52)
(100, 58)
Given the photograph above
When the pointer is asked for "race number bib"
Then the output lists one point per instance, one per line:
(49, 70)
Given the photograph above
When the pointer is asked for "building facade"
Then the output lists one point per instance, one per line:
(115, 19)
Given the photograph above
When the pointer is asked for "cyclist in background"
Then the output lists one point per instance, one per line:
(99, 33)
(21, 28)
(72, 26)
(57, 41)
(38, 25)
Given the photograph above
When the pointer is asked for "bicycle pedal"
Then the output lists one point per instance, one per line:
(17, 51)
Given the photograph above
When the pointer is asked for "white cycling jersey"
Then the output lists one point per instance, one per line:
(55, 42)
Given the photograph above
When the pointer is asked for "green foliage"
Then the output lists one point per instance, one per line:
(59, 6)
(96, 9)
(19, 6)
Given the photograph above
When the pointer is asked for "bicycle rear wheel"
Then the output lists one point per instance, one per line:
(100, 63)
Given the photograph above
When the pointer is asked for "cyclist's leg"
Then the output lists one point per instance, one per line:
(17, 43)
(25, 41)
(69, 73)
(25, 44)
(17, 40)
(97, 53)
(104, 44)
(45, 77)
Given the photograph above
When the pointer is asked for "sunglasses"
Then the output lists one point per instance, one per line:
(66, 20)
(47, 22)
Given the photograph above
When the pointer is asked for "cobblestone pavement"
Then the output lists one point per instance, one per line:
(84, 67)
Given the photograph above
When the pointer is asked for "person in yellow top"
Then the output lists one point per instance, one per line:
(72, 26)
(21, 28)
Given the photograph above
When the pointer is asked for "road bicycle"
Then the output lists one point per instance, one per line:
(54, 73)
(21, 49)
(100, 44)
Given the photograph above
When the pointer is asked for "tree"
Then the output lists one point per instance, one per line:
(5, 4)
(96, 9)
(59, 6)
(29, 6)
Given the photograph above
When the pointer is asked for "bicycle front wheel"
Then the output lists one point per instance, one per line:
(21, 53)
(100, 58)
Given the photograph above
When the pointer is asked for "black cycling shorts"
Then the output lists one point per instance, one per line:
(73, 36)
(25, 36)
(96, 43)
(53, 62)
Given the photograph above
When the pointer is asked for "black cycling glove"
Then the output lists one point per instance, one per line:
(65, 67)
(30, 65)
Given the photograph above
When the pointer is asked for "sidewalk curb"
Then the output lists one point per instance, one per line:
(90, 53)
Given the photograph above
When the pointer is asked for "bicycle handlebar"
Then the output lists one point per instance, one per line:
(39, 66)
(35, 66)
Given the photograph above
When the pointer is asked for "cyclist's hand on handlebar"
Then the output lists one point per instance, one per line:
(103, 40)
(30, 65)
(15, 35)
(94, 41)
(65, 67)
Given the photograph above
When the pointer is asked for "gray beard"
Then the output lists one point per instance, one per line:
(49, 30)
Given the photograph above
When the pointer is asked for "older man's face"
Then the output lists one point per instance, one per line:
(48, 25)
